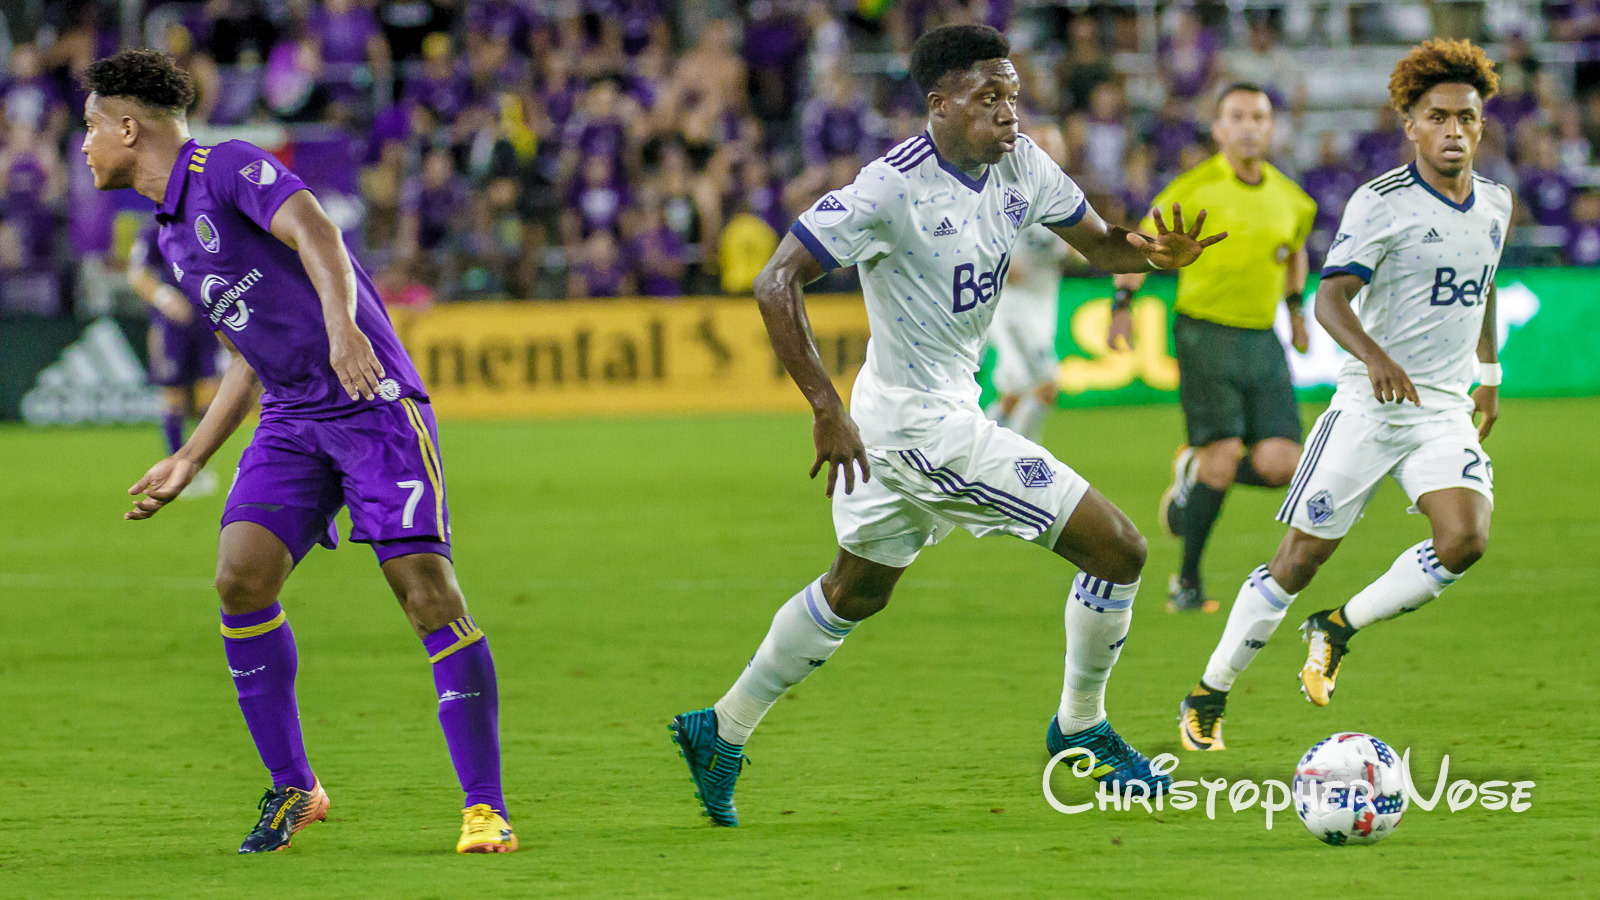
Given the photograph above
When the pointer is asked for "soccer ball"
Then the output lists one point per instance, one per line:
(1350, 788)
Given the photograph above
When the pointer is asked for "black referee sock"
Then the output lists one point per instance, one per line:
(1247, 474)
(1199, 514)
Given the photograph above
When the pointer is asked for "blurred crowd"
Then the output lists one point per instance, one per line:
(602, 148)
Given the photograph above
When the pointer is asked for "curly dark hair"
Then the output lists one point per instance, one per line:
(1441, 61)
(149, 77)
(954, 48)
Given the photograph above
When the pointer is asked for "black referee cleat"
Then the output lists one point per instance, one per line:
(1187, 598)
(1170, 513)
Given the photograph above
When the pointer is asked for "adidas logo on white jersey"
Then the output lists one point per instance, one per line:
(945, 229)
(1432, 237)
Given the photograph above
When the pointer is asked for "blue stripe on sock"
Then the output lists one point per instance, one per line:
(816, 614)
(1258, 580)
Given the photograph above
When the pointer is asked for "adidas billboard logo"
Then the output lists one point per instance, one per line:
(1432, 237)
(945, 229)
(97, 379)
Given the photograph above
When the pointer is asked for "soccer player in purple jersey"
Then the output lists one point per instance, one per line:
(344, 422)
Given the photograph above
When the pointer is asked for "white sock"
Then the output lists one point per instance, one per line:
(1028, 418)
(804, 633)
(1097, 616)
(1256, 614)
(1415, 578)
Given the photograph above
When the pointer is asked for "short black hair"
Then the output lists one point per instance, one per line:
(954, 48)
(148, 77)
(1242, 87)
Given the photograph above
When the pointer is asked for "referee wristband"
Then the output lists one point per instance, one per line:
(1121, 299)
(1296, 301)
(1489, 374)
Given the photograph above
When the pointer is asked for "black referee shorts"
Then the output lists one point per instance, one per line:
(1233, 383)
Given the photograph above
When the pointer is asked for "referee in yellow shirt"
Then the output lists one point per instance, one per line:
(1238, 402)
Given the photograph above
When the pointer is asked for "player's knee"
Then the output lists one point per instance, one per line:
(1278, 471)
(431, 607)
(244, 589)
(1457, 552)
(1127, 557)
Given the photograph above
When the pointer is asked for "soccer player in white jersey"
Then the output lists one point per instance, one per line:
(1416, 254)
(1023, 332)
(931, 226)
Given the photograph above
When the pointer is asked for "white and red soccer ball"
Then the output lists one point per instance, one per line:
(1350, 788)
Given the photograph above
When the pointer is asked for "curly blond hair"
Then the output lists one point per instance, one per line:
(1441, 61)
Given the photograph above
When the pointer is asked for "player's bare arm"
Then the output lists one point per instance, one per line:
(164, 297)
(1299, 268)
(779, 291)
(166, 479)
(1115, 249)
(302, 224)
(1486, 398)
(1338, 318)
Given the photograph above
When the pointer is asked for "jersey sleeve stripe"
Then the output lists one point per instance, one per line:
(915, 160)
(799, 230)
(906, 149)
(1075, 218)
(1352, 268)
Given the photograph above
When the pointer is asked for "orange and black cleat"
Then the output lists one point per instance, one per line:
(284, 811)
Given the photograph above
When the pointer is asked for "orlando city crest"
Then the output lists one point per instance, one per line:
(207, 233)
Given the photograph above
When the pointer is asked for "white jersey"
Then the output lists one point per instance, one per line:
(932, 246)
(1035, 274)
(1428, 264)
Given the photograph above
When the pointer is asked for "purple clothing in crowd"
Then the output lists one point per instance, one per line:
(1547, 195)
(602, 281)
(1583, 244)
(500, 20)
(1191, 67)
(1168, 139)
(829, 132)
(343, 36)
(436, 209)
(445, 96)
(1331, 187)
(648, 251)
(215, 221)
(604, 137)
(31, 100)
(599, 205)
(1376, 152)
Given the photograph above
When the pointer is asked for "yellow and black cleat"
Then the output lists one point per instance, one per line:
(485, 831)
(1200, 719)
(1325, 634)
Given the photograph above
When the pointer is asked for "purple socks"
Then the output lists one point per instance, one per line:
(469, 708)
(262, 658)
(172, 427)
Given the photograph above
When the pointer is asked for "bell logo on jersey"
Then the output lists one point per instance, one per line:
(983, 288)
(1446, 290)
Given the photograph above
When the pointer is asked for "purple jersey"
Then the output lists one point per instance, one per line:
(216, 221)
(1583, 244)
(343, 36)
(659, 257)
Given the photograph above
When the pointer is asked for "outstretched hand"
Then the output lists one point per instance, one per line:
(1176, 247)
(164, 482)
(839, 445)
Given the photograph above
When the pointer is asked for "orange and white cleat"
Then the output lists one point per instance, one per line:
(284, 811)
(485, 831)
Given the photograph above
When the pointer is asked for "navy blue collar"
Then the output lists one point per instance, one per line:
(1458, 207)
(976, 184)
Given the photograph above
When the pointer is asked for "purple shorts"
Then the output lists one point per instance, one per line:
(182, 354)
(382, 462)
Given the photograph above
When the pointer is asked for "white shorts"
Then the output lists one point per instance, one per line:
(974, 474)
(1024, 339)
(1349, 453)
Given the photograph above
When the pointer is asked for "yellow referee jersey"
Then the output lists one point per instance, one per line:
(1240, 281)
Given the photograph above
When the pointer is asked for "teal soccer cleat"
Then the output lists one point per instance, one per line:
(713, 763)
(1114, 760)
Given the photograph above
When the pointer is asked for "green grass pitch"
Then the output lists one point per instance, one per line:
(625, 570)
